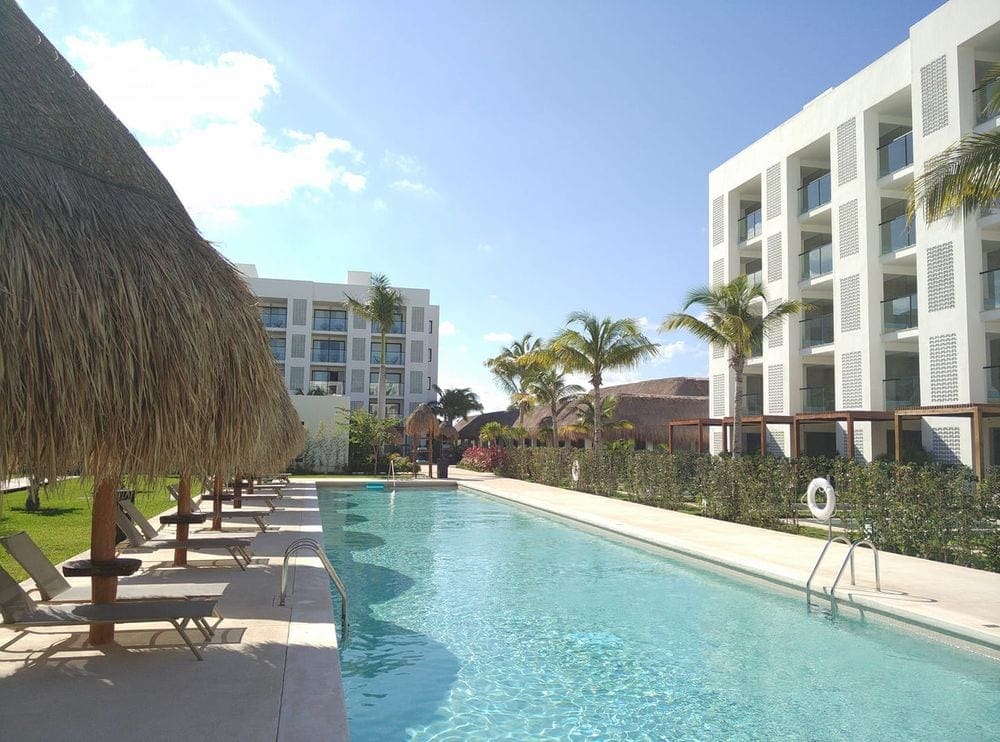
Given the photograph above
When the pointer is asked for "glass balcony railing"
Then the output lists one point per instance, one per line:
(991, 289)
(392, 389)
(330, 324)
(753, 404)
(329, 355)
(757, 350)
(755, 278)
(392, 357)
(895, 155)
(816, 262)
(278, 352)
(899, 313)
(816, 330)
(983, 94)
(397, 328)
(902, 392)
(814, 194)
(818, 398)
(750, 226)
(326, 387)
(898, 233)
(272, 318)
(992, 383)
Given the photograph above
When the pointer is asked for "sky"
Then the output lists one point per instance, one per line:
(521, 160)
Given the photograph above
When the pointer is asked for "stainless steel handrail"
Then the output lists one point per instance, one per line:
(850, 556)
(312, 545)
(840, 539)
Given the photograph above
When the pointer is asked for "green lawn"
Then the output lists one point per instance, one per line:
(62, 527)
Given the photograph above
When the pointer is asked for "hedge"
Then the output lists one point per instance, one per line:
(924, 510)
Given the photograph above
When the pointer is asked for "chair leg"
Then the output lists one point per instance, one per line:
(232, 552)
(187, 640)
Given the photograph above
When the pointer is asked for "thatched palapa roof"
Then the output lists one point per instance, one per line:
(468, 430)
(130, 346)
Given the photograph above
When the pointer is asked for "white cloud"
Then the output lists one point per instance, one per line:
(415, 187)
(447, 328)
(669, 350)
(484, 247)
(406, 165)
(498, 337)
(643, 322)
(199, 123)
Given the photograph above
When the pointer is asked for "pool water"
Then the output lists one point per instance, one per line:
(474, 619)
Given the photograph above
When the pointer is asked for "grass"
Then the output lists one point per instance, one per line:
(61, 528)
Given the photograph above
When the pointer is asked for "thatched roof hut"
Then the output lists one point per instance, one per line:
(468, 430)
(424, 421)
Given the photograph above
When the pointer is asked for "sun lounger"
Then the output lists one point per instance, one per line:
(129, 519)
(19, 611)
(52, 586)
(228, 496)
(257, 516)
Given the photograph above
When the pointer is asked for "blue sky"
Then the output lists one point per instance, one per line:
(519, 159)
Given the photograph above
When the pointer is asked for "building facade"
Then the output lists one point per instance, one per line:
(904, 313)
(322, 347)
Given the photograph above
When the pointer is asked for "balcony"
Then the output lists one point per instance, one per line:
(392, 357)
(397, 328)
(983, 94)
(276, 319)
(899, 313)
(991, 289)
(392, 389)
(902, 392)
(818, 398)
(278, 353)
(755, 278)
(816, 330)
(898, 233)
(750, 226)
(326, 387)
(814, 194)
(895, 155)
(329, 355)
(816, 262)
(992, 383)
(757, 349)
(753, 404)
(330, 324)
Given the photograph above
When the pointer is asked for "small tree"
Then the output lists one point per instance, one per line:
(370, 432)
(491, 433)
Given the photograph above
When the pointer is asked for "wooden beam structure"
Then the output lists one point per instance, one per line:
(835, 416)
(976, 413)
(699, 423)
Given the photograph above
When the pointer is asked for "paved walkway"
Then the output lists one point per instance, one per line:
(271, 673)
(958, 601)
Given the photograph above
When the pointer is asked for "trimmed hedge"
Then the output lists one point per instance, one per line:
(478, 458)
(930, 511)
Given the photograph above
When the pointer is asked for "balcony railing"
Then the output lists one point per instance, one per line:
(271, 319)
(753, 404)
(330, 324)
(329, 355)
(392, 389)
(818, 398)
(814, 194)
(895, 155)
(898, 233)
(392, 357)
(816, 262)
(755, 278)
(816, 330)
(899, 313)
(326, 387)
(397, 328)
(991, 289)
(902, 392)
(992, 383)
(278, 352)
(983, 94)
(750, 226)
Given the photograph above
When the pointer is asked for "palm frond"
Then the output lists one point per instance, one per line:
(964, 177)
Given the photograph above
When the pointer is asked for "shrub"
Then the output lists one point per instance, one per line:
(479, 458)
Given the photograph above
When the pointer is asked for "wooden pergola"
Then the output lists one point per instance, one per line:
(700, 423)
(848, 416)
(759, 421)
(976, 412)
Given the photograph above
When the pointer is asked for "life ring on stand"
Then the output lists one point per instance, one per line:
(574, 470)
(826, 512)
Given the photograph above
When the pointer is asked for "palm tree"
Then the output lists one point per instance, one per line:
(730, 322)
(513, 368)
(966, 175)
(382, 308)
(585, 417)
(550, 387)
(457, 403)
(599, 346)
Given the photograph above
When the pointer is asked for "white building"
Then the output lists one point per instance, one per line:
(904, 315)
(324, 348)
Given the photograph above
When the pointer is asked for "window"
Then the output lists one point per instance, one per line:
(277, 348)
(430, 355)
(398, 326)
(393, 353)
(329, 351)
(272, 316)
(392, 409)
(428, 383)
(430, 327)
(393, 384)
(330, 320)
(325, 381)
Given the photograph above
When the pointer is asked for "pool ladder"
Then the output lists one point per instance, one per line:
(843, 565)
(313, 546)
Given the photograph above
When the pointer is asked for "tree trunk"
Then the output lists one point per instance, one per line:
(102, 549)
(555, 441)
(381, 380)
(32, 502)
(597, 418)
(738, 366)
(430, 455)
(217, 503)
(183, 508)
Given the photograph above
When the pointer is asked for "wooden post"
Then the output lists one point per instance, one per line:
(670, 436)
(238, 491)
(977, 442)
(763, 436)
(850, 436)
(430, 455)
(102, 549)
(701, 434)
(183, 508)
(795, 438)
(897, 422)
(250, 484)
(725, 438)
(217, 503)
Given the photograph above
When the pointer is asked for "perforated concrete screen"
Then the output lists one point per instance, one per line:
(944, 368)
(850, 303)
(298, 311)
(851, 380)
(775, 333)
(773, 191)
(946, 445)
(940, 277)
(934, 95)
(847, 152)
(417, 319)
(718, 395)
(718, 221)
(848, 229)
(358, 349)
(775, 389)
(774, 257)
(298, 346)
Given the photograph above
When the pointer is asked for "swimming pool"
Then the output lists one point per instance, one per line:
(474, 619)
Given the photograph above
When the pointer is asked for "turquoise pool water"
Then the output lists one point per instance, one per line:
(473, 619)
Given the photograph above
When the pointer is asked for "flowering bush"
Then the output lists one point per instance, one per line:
(479, 458)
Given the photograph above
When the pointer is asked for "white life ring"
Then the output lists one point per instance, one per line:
(574, 470)
(826, 512)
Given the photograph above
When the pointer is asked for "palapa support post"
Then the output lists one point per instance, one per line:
(850, 437)
(183, 508)
(430, 456)
(238, 490)
(102, 549)
(763, 436)
(217, 503)
(250, 480)
(897, 423)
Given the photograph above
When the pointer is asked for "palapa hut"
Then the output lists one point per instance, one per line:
(468, 430)
(648, 405)
(131, 347)
(424, 421)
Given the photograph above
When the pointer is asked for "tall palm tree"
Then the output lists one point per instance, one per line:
(382, 307)
(731, 322)
(599, 346)
(549, 387)
(457, 403)
(584, 424)
(966, 175)
(513, 368)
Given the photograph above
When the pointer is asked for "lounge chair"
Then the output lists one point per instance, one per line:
(128, 517)
(53, 587)
(19, 611)
(257, 516)
(229, 496)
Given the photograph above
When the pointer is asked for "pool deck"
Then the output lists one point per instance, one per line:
(945, 599)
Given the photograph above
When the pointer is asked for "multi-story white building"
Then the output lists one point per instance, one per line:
(324, 348)
(904, 314)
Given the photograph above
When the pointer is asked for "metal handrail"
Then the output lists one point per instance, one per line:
(840, 539)
(312, 545)
(850, 556)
